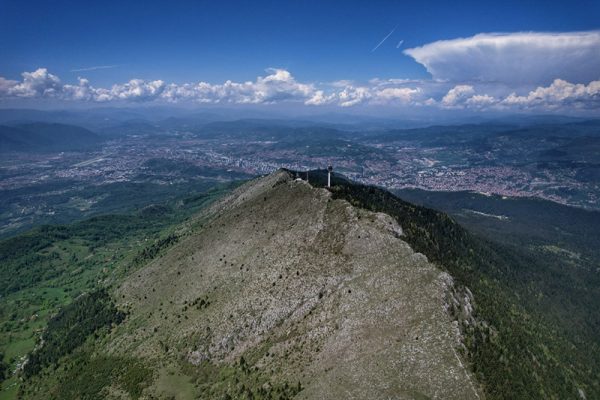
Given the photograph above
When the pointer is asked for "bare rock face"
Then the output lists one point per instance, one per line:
(310, 289)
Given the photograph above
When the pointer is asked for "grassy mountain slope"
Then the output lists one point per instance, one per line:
(279, 291)
(287, 290)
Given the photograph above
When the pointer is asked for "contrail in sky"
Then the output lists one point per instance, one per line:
(399, 44)
(384, 39)
(94, 68)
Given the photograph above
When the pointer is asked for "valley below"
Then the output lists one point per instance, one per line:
(210, 260)
(137, 161)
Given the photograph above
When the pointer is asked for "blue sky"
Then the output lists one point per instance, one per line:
(322, 45)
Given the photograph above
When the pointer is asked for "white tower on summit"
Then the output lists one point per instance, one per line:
(329, 171)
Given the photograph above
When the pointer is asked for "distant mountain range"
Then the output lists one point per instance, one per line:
(109, 119)
(41, 136)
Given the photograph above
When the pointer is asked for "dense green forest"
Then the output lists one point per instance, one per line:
(539, 332)
(71, 327)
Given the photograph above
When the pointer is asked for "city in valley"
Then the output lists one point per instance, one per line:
(43, 186)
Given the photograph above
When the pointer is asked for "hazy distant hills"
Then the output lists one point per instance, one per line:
(41, 136)
(110, 120)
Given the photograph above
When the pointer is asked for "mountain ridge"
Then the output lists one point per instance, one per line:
(301, 299)
(285, 288)
(279, 287)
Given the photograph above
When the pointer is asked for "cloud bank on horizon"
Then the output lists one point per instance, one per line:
(499, 71)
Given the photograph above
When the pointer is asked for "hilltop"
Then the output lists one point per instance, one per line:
(279, 287)
(286, 289)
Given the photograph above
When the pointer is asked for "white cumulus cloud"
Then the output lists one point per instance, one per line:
(559, 94)
(138, 90)
(513, 58)
(404, 95)
(279, 85)
(38, 83)
(481, 100)
(319, 98)
(352, 96)
(5, 86)
(457, 95)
